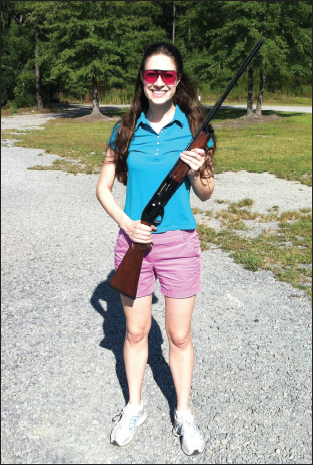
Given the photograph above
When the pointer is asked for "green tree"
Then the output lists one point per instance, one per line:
(39, 14)
(22, 50)
(17, 49)
(9, 55)
(241, 24)
(72, 44)
(100, 40)
(221, 34)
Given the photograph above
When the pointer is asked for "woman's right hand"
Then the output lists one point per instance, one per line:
(139, 232)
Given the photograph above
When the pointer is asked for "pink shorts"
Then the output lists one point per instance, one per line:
(175, 259)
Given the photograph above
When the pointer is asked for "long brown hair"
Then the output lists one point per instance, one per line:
(185, 97)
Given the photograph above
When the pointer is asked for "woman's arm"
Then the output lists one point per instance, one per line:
(104, 191)
(203, 187)
(134, 229)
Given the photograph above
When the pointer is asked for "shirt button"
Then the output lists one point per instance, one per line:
(158, 143)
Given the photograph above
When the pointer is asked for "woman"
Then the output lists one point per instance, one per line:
(143, 147)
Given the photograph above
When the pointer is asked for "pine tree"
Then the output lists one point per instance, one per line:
(100, 40)
(221, 34)
(37, 14)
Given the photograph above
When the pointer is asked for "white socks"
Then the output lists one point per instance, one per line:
(134, 407)
(181, 413)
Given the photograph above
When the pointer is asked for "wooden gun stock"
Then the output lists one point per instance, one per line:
(126, 277)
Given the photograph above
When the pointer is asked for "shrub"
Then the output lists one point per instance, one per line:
(25, 89)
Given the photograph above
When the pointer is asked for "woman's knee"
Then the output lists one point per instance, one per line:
(181, 341)
(135, 335)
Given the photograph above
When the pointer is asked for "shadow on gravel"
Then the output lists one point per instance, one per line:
(114, 325)
(75, 111)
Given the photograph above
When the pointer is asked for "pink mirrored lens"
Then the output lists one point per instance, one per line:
(168, 77)
(150, 76)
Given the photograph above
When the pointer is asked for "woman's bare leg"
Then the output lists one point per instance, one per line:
(138, 323)
(178, 313)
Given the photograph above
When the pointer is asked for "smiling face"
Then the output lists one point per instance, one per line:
(159, 93)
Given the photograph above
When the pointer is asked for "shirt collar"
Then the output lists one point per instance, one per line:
(179, 117)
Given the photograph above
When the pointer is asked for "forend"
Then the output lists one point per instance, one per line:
(208, 130)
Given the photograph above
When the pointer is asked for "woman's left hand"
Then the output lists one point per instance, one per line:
(194, 158)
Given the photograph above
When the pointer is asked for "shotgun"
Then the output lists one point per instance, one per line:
(126, 277)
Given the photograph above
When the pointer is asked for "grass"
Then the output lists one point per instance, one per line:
(9, 111)
(285, 151)
(81, 146)
(243, 203)
(286, 251)
(270, 100)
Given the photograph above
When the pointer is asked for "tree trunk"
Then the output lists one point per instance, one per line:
(20, 23)
(95, 99)
(8, 28)
(37, 71)
(173, 34)
(258, 110)
(250, 92)
(1, 29)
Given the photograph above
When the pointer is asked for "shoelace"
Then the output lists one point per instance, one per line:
(190, 422)
(119, 416)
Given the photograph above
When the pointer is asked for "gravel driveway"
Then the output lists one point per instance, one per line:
(63, 331)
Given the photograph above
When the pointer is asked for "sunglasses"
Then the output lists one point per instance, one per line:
(150, 76)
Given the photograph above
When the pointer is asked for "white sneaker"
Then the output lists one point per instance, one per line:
(191, 439)
(131, 416)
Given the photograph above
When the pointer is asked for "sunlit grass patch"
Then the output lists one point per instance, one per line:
(206, 235)
(9, 111)
(235, 211)
(82, 146)
(220, 201)
(196, 210)
(8, 134)
(234, 224)
(286, 251)
(287, 154)
(246, 202)
(274, 208)
(290, 215)
(244, 214)
(266, 217)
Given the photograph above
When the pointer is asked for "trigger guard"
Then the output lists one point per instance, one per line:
(157, 222)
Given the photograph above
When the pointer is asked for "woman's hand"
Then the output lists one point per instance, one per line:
(139, 232)
(194, 158)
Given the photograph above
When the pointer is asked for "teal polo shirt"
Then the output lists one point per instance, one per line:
(151, 157)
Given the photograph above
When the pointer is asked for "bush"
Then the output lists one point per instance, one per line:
(303, 91)
(7, 78)
(25, 89)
